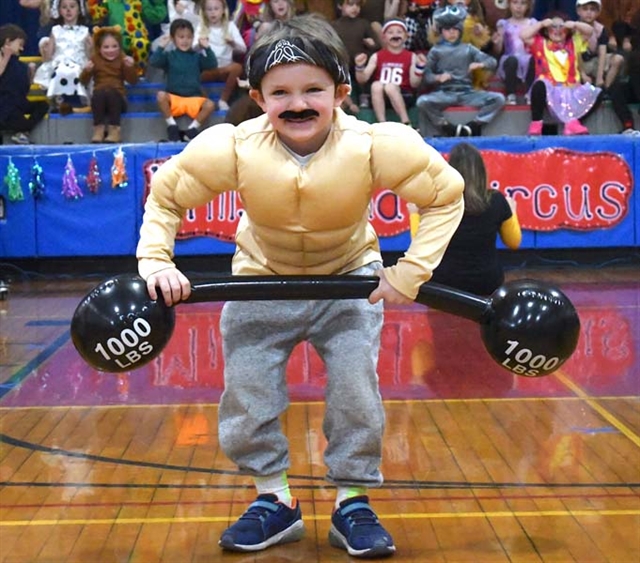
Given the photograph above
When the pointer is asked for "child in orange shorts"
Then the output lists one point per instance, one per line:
(183, 66)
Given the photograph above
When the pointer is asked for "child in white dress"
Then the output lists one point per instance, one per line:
(68, 48)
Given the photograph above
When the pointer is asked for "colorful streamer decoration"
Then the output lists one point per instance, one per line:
(13, 183)
(119, 170)
(94, 180)
(36, 183)
(70, 187)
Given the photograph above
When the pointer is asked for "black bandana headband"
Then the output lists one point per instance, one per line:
(286, 51)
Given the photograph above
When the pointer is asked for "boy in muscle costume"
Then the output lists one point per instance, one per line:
(305, 172)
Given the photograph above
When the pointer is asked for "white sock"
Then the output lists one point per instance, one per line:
(195, 123)
(170, 121)
(344, 493)
(276, 484)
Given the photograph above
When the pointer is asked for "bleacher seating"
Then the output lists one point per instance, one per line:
(144, 123)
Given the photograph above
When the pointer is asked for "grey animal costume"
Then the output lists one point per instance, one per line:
(454, 59)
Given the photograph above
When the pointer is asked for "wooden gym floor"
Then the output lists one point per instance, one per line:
(480, 466)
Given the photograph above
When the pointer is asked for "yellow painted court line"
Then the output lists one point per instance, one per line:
(318, 517)
(310, 403)
(595, 405)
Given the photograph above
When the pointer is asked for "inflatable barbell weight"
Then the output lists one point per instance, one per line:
(528, 327)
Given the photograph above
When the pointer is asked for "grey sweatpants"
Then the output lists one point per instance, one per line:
(258, 338)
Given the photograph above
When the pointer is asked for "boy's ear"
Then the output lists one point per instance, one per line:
(342, 91)
(256, 96)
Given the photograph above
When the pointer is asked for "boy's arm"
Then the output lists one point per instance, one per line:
(129, 71)
(364, 72)
(158, 58)
(208, 60)
(430, 77)
(584, 29)
(480, 57)
(602, 55)
(529, 32)
(418, 63)
(427, 180)
(203, 170)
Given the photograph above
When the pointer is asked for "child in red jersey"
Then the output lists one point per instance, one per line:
(396, 72)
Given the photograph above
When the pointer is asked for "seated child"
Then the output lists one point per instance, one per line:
(515, 63)
(66, 53)
(449, 68)
(133, 17)
(15, 82)
(556, 44)
(183, 66)
(396, 72)
(109, 69)
(597, 66)
(358, 36)
(226, 42)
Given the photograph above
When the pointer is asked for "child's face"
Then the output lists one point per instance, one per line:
(69, 11)
(450, 34)
(588, 13)
(214, 10)
(299, 100)
(110, 49)
(14, 47)
(350, 9)
(557, 30)
(183, 39)
(518, 8)
(394, 37)
(280, 8)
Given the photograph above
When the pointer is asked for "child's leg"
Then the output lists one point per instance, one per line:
(99, 107)
(510, 68)
(233, 72)
(377, 101)
(432, 105)
(115, 106)
(258, 338)
(617, 95)
(346, 335)
(205, 111)
(616, 62)
(164, 104)
(394, 94)
(37, 111)
(99, 111)
(489, 103)
(538, 100)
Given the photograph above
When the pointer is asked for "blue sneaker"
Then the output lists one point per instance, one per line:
(265, 523)
(355, 528)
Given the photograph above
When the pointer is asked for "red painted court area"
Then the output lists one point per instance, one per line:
(426, 354)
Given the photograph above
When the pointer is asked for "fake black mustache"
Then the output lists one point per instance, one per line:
(304, 114)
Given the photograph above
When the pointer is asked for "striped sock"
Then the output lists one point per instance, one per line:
(345, 493)
(276, 484)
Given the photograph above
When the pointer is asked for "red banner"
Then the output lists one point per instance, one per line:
(554, 189)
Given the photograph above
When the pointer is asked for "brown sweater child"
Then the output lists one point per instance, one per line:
(110, 69)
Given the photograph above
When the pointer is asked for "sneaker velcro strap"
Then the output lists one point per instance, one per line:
(357, 506)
